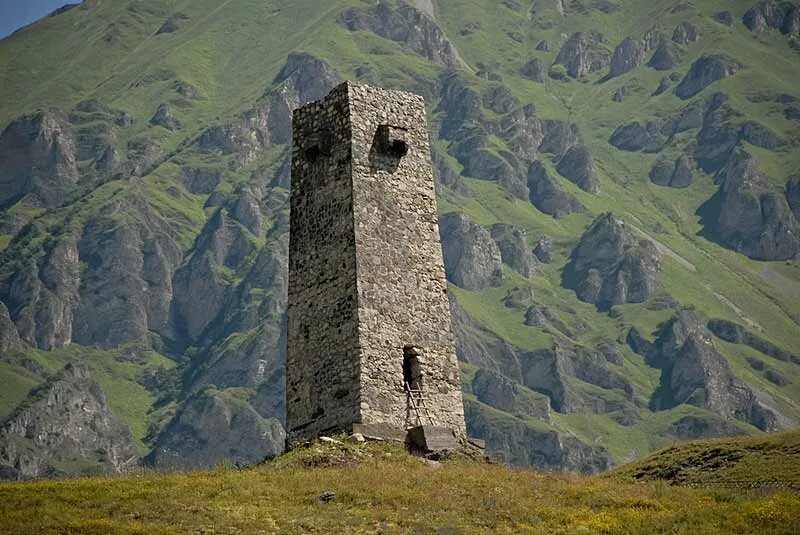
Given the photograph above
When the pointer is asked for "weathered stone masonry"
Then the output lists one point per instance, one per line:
(367, 289)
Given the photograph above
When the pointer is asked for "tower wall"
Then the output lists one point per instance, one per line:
(402, 290)
(322, 367)
(366, 276)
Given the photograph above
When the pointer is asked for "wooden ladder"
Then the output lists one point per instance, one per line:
(416, 399)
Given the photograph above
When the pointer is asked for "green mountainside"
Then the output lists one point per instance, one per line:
(618, 182)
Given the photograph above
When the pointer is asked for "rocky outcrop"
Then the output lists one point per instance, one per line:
(704, 72)
(472, 259)
(534, 70)
(216, 427)
(628, 55)
(65, 427)
(552, 372)
(547, 195)
(583, 53)
(165, 118)
(724, 17)
(695, 373)
(793, 196)
(200, 180)
(515, 442)
(577, 166)
(9, 338)
(665, 57)
(400, 22)
(767, 15)
(674, 175)
(662, 87)
(40, 159)
(302, 79)
(499, 392)
(635, 136)
(544, 250)
(685, 33)
(695, 427)
(736, 334)
(611, 265)
(515, 250)
(41, 297)
(747, 216)
(139, 260)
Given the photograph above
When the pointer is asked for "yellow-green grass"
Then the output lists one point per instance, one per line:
(735, 463)
(381, 489)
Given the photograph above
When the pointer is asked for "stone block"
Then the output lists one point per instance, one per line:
(432, 438)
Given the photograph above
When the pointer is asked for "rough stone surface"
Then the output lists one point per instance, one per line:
(583, 53)
(367, 285)
(695, 372)
(611, 265)
(514, 248)
(39, 155)
(628, 55)
(65, 428)
(432, 438)
(704, 72)
(472, 259)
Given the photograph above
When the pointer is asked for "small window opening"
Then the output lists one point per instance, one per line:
(412, 371)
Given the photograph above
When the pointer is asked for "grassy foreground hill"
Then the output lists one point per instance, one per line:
(382, 489)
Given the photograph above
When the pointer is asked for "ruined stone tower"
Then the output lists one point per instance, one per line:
(368, 311)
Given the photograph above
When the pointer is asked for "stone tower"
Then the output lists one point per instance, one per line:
(368, 310)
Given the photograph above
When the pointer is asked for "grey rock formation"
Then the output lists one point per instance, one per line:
(583, 53)
(215, 427)
(552, 372)
(39, 154)
(695, 373)
(737, 334)
(400, 22)
(628, 55)
(499, 392)
(577, 166)
(766, 15)
(747, 216)
(665, 57)
(41, 299)
(200, 180)
(500, 99)
(520, 298)
(704, 72)
(635, 136)
(515, 250)
(472, 259)
(302, 79)
(674, 175)
(140, 258)
(9, 338)
(544, 250)
(64, 427)
(685, 33)
(517, 443)
(694, 427)
(165, 118)
(547, 195)
(534, 70)
(793, 196)
(724, 17)
(611, 265)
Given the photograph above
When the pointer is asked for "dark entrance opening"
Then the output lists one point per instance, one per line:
(412, 371)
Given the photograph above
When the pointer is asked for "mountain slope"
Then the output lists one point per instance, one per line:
(144, 220)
